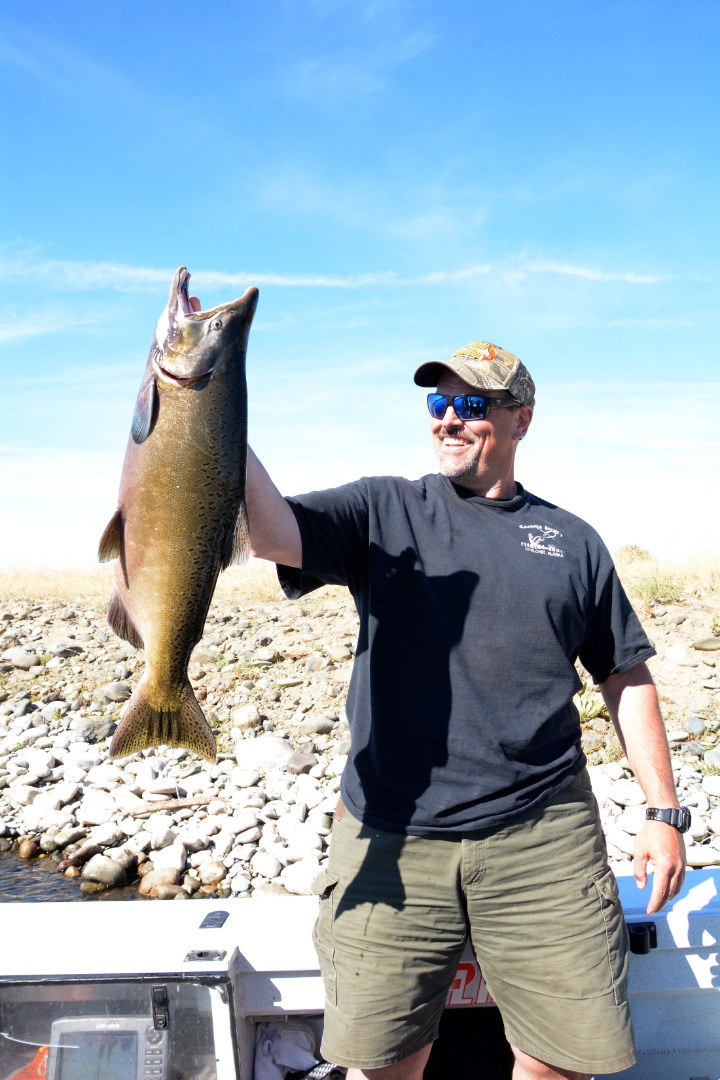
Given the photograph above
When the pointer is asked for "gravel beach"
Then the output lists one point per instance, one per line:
(272, 679)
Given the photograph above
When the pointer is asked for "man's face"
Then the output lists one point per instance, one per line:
(479, 454)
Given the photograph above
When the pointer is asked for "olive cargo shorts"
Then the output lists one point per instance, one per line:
(540, 905)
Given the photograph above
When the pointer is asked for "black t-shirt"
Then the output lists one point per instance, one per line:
(472, 614)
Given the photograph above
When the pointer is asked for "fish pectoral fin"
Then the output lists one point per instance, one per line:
(237, 541)
(145, 725)
(111, 541)
(119, 620)
(145, 409)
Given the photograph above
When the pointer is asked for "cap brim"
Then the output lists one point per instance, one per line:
(429, 374)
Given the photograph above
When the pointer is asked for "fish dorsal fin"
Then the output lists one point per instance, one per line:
(120, 622)
(145, 409)
(237, 541)
(111, 541)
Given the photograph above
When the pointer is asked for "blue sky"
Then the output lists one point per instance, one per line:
(398, 179)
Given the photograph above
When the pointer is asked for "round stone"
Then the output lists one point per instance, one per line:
(626, 793)
(246, 716)
(711, 784)
(263, 753)
(21, 658)
(712, 757)
(212, 872)
(266, 656)
(699, 855)
(116, 691)
(153, 879)
(170, 892)
(694, 725)
(265, 865)
(28, 849)
(105, 871)
(708, 644)
(338, 653)
(298, 877)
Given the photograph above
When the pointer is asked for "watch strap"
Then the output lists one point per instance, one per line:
(678, 817)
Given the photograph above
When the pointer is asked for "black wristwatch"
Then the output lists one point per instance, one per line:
(679, 818)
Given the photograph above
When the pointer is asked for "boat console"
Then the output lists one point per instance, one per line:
(228, 990)
(115, 1048)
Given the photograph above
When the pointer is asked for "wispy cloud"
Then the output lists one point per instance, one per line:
(291, 189)
(83, 276)
(67, 70)
(651, 323)
(80, 276)
(362, 68)
(316, 78)
(31, 324)
(547, 266)
(435, 225)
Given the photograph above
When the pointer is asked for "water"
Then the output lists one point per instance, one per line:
(39, 880)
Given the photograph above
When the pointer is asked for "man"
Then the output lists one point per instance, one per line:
(469, 810)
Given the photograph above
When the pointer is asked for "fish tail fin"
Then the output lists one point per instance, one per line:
(145, 724)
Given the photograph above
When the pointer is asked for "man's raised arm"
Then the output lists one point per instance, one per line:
(274, 532)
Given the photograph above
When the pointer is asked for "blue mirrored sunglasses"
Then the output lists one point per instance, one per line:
(466, 406)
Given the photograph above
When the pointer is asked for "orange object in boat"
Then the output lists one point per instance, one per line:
(35, 1069)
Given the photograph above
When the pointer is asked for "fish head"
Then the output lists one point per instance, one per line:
(189, 345)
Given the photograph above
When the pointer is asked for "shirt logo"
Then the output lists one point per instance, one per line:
(540, 540)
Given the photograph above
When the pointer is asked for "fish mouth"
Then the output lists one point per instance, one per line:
(181, 333)
(178, 309)
(182, 291)
(178, 380)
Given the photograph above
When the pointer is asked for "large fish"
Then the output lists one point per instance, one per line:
(181, 511)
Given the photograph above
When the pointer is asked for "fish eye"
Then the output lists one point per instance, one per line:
(216, 324)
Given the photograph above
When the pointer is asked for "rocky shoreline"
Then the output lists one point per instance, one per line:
(272, 680)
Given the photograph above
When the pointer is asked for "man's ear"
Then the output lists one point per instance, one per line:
(523, 419)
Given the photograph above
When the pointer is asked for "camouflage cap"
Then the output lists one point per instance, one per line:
(484, 367)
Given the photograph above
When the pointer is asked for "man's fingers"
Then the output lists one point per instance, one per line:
(665, 887)
(640, 870)
(660, 849)
(663, 890)
(658, 897)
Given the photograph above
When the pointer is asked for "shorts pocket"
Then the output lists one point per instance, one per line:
(615, 931)
(323, 886)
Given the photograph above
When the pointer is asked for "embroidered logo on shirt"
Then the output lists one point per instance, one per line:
(540, 539)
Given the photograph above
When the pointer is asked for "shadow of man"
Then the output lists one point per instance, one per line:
(395, 762)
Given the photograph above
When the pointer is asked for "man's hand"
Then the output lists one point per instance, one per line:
(664, 847)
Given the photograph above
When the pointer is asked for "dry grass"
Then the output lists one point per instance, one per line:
(253, 584)
(93, 585)
(663, 581)
(646, 579)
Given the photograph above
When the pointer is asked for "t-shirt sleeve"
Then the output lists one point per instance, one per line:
(614, 639)
(334, 533)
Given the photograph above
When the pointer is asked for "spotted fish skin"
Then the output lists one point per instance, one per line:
(181, 515)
